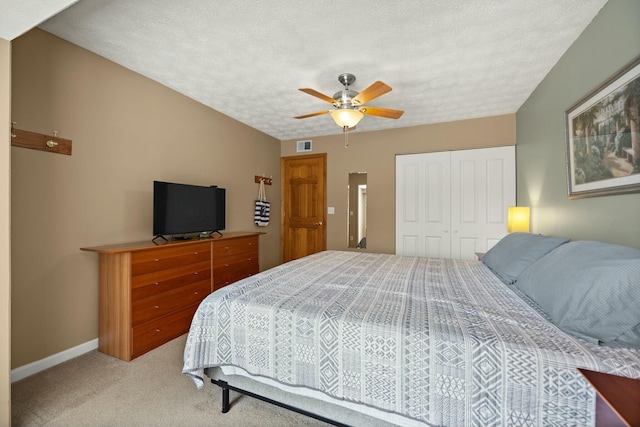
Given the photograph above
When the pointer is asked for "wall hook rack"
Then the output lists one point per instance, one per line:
(38, 141)
(267, 181)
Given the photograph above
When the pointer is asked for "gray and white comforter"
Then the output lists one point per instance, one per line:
(437, 340)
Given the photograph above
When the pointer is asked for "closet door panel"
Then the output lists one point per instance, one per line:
(496, 198)
(465, 246)
(410, 197)
(436, 246)
(467, 204)
(409, 245)
(422, 204)
(483, 187)
(436, 227)
(464, 208)
(453, 204)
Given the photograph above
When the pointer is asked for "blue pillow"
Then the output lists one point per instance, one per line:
(590, 290)
(517, 251)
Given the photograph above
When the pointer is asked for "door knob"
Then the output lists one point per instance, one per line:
(318, 223)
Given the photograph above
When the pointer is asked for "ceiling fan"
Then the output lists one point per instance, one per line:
(349, 105)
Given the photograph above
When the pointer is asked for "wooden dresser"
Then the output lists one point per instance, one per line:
(149, 293)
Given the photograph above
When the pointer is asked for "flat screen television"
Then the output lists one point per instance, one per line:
(180, 209)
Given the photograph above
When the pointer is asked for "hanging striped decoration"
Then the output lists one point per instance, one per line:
(261, 216)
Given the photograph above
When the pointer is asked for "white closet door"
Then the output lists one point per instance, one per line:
(423, 216)
(483, 186)
(453, 204)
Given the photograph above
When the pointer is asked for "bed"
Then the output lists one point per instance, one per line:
(427, 341)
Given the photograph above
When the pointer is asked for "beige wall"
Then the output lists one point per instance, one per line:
(127, 131)
(374, 153)
(605, 46)
(5, 232)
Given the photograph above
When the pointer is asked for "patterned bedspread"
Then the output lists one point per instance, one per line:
(437, 340)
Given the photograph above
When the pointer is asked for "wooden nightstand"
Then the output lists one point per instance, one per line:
(617, 399)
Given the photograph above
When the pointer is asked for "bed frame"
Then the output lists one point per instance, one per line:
(226, 406)
(341, 413)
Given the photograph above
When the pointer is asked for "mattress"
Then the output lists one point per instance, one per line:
(439, 341)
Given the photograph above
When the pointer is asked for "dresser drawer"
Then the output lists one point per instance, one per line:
(162, 304)
(225, 275)
(152, 334)
(235, 246)
(147, 285)
(228, 260)
(231, 277)
(145, 262)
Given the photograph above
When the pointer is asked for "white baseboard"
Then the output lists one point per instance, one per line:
(53, 360)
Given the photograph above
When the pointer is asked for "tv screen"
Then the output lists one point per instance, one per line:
(184, 208)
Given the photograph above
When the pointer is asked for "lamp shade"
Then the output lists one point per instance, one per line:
(346, 117)
(518, 219)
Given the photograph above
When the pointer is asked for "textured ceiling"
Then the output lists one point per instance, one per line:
(446, 60)
(19, 16)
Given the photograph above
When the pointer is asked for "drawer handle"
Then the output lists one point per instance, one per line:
(226, 248)
(226, 265)
(157, 283)
(157, 331)
(157, 307)
(196, 273)
(196, 253)
(195, 293)
(156, 260)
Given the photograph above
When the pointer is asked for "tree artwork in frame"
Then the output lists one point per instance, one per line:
(603, 137)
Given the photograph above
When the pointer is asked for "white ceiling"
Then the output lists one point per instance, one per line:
(446, 60)
(19, 16)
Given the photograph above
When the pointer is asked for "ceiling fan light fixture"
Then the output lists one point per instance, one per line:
(346, 117)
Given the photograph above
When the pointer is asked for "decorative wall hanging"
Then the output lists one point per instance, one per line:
(261, 216)
(603, 137)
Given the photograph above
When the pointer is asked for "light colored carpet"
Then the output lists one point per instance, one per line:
(98, 390)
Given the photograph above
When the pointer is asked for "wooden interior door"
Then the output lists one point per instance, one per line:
(304, 195)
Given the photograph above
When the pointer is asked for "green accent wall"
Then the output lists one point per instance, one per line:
(610, 42)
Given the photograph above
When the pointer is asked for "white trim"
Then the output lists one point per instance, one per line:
(25, 371)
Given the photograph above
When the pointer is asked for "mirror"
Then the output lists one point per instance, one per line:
(357, 210)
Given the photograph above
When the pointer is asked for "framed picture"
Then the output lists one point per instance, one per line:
(603, 137)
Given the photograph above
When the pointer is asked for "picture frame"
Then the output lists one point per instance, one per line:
(603, 137)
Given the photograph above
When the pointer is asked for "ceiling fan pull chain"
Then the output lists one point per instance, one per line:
(346, 136)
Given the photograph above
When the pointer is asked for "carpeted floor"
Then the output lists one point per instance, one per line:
(98, 390)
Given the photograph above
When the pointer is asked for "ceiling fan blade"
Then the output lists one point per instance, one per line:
(382, 112)
(319, 113)
(317, 94)
(375, 90)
